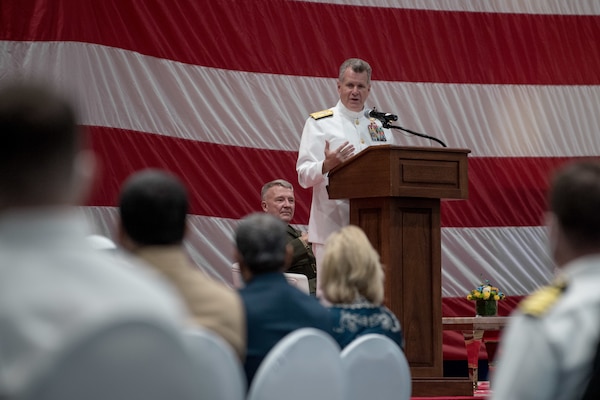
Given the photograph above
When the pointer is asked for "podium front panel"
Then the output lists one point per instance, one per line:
(406, 233)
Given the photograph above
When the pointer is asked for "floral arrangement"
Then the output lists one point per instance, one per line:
(486, 291)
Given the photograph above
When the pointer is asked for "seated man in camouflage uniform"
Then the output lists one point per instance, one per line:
(277, 198)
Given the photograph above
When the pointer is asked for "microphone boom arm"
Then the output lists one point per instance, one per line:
(388, 125)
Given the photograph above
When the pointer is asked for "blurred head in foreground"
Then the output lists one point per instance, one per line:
(153, 208)
(42, 157)
(574, 217)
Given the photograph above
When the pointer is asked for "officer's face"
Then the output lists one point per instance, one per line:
(354, 89)
(279, 201)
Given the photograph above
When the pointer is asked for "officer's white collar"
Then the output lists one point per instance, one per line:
(349, 113)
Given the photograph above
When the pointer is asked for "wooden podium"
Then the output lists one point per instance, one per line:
(394, 195)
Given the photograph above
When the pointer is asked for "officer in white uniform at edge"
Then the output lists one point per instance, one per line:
(329, 138)
(547, 350)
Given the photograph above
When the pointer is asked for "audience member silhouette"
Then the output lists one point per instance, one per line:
(548, 349)
(153, 211)
(54, 286)
(352, 281)
(273, 307)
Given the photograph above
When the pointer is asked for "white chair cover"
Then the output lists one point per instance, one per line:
(218, 369)
(123, 359)
(100, 242)
(238, 282)
(303, 365)
(298, 280)
(375, 368)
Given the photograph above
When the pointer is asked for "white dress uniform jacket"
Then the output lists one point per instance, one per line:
(549, 355)
(336, 125)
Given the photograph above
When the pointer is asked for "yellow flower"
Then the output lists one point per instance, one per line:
(486, 291)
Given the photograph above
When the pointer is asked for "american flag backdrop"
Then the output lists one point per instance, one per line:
(218, 91)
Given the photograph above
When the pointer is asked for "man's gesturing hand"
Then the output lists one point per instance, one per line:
(337, 156)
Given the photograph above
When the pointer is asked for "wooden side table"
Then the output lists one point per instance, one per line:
(473, 329)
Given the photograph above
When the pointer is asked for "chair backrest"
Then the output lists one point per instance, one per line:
(100, 242)
(298, 280)
(238, 282)
(303, 365)
(218, 369)
(123, 359)
(375, 368)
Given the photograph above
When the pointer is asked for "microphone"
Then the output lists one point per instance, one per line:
(382, 116)
(386, 119)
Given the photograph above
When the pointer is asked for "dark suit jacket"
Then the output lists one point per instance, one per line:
(303, 260)
(274, 308)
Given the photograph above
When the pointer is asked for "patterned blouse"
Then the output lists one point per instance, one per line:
(361, 317)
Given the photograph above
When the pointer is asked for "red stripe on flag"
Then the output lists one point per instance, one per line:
(503, 191)
(225, 181)
(274, 36)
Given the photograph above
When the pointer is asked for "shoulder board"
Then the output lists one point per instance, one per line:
(541, 301)
(322, 114)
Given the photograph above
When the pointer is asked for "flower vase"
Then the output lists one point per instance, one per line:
(486, 308)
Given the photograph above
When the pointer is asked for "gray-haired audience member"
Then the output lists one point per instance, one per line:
(54, 286)
(277, 198)
(273, 307)
(153, 211)
(547, 351)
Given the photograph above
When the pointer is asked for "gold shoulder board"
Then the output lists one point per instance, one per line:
(542, 300)
(322, 114)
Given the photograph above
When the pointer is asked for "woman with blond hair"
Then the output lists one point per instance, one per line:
(352, 282)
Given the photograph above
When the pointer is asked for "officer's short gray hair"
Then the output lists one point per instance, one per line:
(357, 65)
(276, 182)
